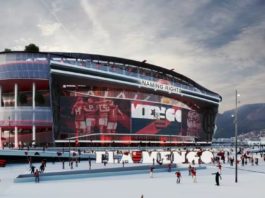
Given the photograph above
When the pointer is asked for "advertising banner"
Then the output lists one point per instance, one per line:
(152, 118)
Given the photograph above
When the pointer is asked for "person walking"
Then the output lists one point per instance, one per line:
(72, 164)
(169, 167)
(178, 175)
(219, 167)
(76, 162)
(190, 168)
(89, 163)
(217, 178)
(152, 171)
(37, 176)
(193, 175)
(32, 168)
(42, 167)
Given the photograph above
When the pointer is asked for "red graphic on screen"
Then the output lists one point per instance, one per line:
(193, 123)
(88, 115)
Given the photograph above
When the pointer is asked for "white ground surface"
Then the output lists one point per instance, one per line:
(251, 184)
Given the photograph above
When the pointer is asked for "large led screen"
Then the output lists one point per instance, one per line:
(82, 115)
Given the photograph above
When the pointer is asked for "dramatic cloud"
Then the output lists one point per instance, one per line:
(48, 29)
(219, 44)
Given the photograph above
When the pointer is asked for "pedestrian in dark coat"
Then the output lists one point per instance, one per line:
(217, 177)
(32, 169)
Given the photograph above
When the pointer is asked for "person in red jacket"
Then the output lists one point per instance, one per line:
(178, 175)
(193, 175)
(37, 176)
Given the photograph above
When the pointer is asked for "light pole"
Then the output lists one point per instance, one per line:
(236, 122)
(9, 131)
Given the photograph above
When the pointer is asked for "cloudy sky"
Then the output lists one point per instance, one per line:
(218, 43)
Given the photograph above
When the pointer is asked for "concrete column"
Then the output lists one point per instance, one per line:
(0, 96)
(1, 143)
(33, 95)
(16, 94)
(33, 119)
(16, 137)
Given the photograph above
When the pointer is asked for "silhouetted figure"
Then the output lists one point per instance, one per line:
(217, 177)
(152, 171)
(32, 168)
(169, 167)
(76, 162)
(256, 161)
(42, 167)
(89, 163)
(71, 164)
(190, 168)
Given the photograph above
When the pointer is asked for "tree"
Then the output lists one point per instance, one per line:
(31, 48)
(40, 100)
(7, 50)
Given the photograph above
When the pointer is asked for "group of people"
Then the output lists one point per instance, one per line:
(36, 172)
(95, 113)
(193, 173)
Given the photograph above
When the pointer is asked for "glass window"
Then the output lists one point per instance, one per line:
(32, 66)
(24, 74)
(4, 67)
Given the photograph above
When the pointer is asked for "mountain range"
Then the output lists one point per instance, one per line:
(251, 117)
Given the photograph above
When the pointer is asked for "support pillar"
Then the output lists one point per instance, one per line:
(16, 131)
(33, 95)
(0, 96)
(16, 93)
(33, 119)
(1, 143)
(16, 137)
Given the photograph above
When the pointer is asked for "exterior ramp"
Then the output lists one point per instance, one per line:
(78, 174)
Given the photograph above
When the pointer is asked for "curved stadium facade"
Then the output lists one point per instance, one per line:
(95, 100)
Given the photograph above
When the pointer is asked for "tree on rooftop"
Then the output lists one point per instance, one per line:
(7, 50)
(31, 48)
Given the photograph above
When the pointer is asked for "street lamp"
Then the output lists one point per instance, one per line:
(236, 122)
(8, 131)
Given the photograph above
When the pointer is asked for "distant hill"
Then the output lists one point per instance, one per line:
(251, 117)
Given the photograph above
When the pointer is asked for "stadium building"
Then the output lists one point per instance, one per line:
(94, 100)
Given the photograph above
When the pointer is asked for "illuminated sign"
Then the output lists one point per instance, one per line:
(160, 86)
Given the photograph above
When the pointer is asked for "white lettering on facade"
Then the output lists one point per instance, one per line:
(150, 112)
(159, 86)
